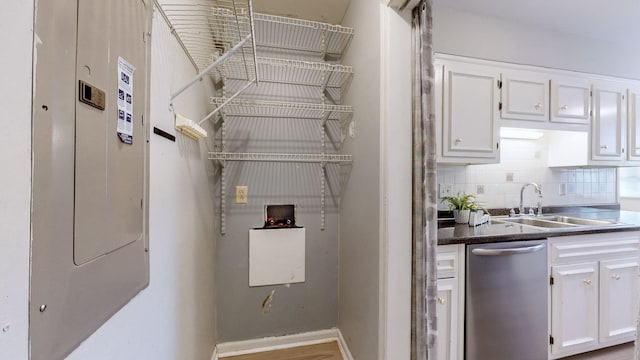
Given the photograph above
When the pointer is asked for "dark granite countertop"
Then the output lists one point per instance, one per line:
(498, 231)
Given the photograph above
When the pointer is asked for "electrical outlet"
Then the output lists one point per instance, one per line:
(480, 189)
(242, 194)
(562, 189)
(445, 190)
(509, 177)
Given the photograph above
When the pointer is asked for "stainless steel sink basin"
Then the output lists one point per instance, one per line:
(580, 221)
(540, 222)
(557, 221)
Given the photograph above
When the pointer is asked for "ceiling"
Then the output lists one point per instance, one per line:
(616, 21)
(329, 11)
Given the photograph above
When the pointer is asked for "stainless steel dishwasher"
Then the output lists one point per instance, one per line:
(506, 301)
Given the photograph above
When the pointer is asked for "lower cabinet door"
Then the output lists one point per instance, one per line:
(618, 299)
(447, 319)
(574, 314)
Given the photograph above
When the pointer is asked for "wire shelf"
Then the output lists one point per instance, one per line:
(302, 35)
(264, 157)
(294, 72)
(210, 28)
(275, 109)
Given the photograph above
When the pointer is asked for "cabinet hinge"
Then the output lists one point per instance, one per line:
(550, 280)
(500, 106)
(499, 84)
(550, 340)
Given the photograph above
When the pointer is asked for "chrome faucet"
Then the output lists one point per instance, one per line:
(538, 191)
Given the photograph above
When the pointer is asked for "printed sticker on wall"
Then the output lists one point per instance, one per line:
(125, 101)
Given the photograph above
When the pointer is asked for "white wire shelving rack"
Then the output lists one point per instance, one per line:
(292, 72)
(277, 157)
(296, 52)
(210, 32)
(226, 36)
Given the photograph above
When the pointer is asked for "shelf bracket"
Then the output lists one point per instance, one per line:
(245, 87)
(322, 193)
(215, 64)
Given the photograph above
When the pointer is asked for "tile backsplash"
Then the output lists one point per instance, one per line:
(524, 161)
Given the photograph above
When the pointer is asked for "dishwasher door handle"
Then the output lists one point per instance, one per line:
(513, 251)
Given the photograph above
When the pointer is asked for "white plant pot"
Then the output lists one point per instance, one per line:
(461, 216)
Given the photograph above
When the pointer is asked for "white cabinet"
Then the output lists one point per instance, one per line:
(470, 101)
(618, 299)
(574, 301)
(608, 130)
(450, 302)
(633, 124)
(525, 96)
(570, 100)
(594, 291)
(447, 318)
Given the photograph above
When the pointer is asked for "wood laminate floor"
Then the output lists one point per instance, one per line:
(619, 352)
(325, 351)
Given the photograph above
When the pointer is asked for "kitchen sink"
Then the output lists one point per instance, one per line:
(557, 221)
(540, 222)
(580, 221)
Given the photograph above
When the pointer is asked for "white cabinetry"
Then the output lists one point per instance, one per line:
(633, 124)
(525, 96)
(570, 100)
(618, 299)
(608, 130)
(594, 291)
(574, 307)
(470, 101)
(450, 306)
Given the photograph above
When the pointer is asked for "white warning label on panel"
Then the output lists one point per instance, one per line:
(125, 101)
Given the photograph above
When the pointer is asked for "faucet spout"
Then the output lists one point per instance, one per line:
(538, 191)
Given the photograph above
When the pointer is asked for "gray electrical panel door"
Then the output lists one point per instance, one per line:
(90, 168)
(109, 171)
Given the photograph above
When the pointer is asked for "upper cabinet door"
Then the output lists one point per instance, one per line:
(525, 96)
(633, 118)
(608, 129)
(470, 112)
(570, 100)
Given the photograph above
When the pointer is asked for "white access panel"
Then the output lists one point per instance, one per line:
(276, 256)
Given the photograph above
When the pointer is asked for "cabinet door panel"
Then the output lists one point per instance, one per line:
(574, 312)
(609, 120)
(524, 97)
(447, 311)
(633, 140)
(618, 299)
(570, 101)
(470, 112)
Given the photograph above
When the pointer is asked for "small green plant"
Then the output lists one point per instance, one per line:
(462, 201)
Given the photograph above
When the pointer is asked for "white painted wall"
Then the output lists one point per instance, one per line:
(361, 204)
(16, 33)
(468, 34)
(174, 317)
(396, 187)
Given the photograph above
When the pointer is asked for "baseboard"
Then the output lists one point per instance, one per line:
(235, 348)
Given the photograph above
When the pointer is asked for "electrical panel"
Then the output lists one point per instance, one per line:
(90, 168)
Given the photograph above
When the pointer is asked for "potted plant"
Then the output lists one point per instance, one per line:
(461, 205)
